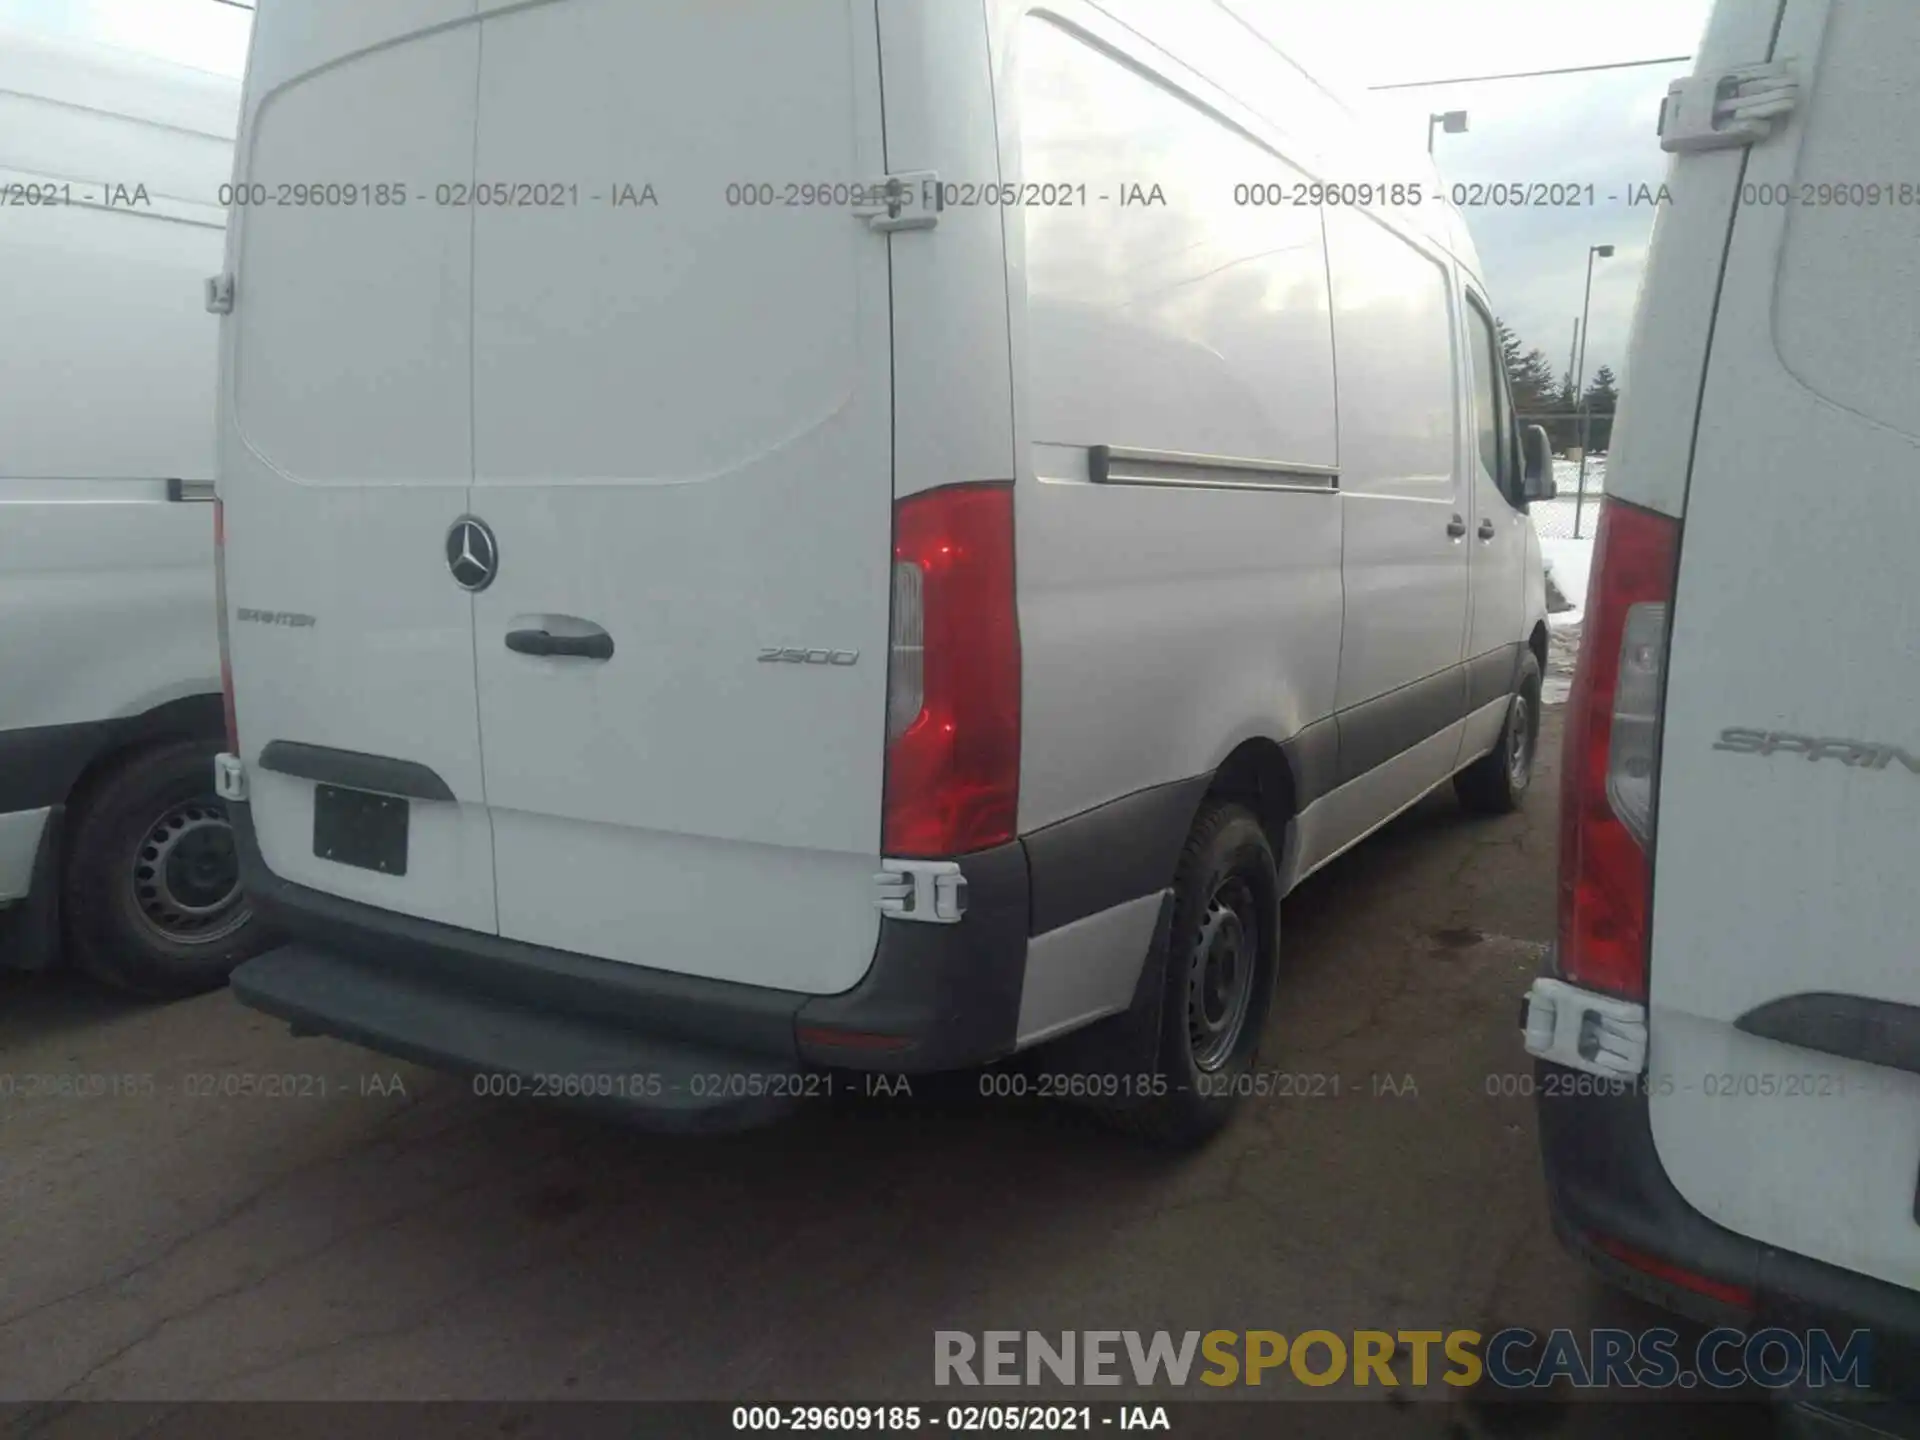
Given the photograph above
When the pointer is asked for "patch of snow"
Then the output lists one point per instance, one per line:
(1568, 562)
(1566, 474)
(1563, 648)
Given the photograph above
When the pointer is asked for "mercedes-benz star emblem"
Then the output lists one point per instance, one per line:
(471, 554)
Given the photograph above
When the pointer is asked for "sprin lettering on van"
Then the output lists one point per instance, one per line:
(290, 618)
(792, 655)
(1855, 754)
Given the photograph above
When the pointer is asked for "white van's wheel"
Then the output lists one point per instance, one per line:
(152, 894)
(1221, 953)
(1498, 781)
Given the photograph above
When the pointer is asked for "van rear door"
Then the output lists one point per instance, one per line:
(682, 442)
(1784, 982)
(345, 448)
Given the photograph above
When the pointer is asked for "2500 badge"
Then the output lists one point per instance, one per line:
(799, 655)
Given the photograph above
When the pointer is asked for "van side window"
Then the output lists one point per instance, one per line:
(1155, 232)
(1492, 417)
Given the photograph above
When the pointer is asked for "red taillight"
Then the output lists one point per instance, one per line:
(953, 674)
(1606, 785)
(826, 1037)
(220, 602)
(1738, 1296)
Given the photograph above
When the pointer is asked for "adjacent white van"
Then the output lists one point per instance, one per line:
(1729, 1032)
(110, 834)
(733, 568)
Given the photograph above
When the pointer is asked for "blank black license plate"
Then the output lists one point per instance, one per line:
(357, 827)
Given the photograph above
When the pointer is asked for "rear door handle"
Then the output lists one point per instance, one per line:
(1486, 529)
(542, 642)
(1456, 527)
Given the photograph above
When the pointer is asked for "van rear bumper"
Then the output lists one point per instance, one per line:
(1605, 1182)
(936, 997)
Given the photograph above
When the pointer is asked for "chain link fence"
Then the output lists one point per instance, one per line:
(1556, 519)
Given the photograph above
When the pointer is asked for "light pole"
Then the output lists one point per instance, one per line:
(1573, 350)
(1604, 252)
(1454, 122)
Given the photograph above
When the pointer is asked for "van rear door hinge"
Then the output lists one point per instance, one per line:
(220, 293)
(933, 891)
(1727, 107)
(911, 200)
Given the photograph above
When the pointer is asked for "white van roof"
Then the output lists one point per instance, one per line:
(108, 316)
(1336, 134)
(91, 114)
(93, 76)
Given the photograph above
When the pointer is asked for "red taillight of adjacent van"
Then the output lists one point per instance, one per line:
(953, 674)
(1612, 740)
(220, 601)
(1740, 1297)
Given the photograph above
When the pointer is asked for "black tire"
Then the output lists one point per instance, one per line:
(1498, 781)
(150, 892)
(1226, 920)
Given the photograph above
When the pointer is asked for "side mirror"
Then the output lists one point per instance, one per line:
(1536, 481)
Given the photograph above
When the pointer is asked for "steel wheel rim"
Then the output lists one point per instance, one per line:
(1220, 971)
(1520, 743)
(185, 877)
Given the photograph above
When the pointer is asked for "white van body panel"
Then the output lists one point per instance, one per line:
(1403, 454)
(953, 394)
(1775, 875)
(696, 777)
(1335, 823)
(1085, 969)
(1120, 615)
(345, 452)
(687, 426)
(20, 832)
(553, 369)
(107, 372)
(1498, 533)
(1111, 597)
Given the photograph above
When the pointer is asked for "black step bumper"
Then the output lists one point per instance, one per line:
(675, 1051)
(516, 1050)
(1605, 1181)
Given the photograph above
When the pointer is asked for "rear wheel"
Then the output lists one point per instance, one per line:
(1221, 953)
(1498, 781)
(151, 892)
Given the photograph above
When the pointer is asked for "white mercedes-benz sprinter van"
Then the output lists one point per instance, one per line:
(1729, 1031)
(734, 569)
(111, 837)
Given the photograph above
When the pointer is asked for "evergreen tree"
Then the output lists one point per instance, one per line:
(1603, 396)
(1509, 345)
(1533, 383)
(1529, 372)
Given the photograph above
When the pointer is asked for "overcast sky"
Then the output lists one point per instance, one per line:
(1574, 129)
(1570, 129)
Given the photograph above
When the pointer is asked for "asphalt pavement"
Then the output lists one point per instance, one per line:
(377, 1231)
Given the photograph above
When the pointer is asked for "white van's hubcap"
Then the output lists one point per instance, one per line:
(1520, 743)
(1220, 973)
(186, 879)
